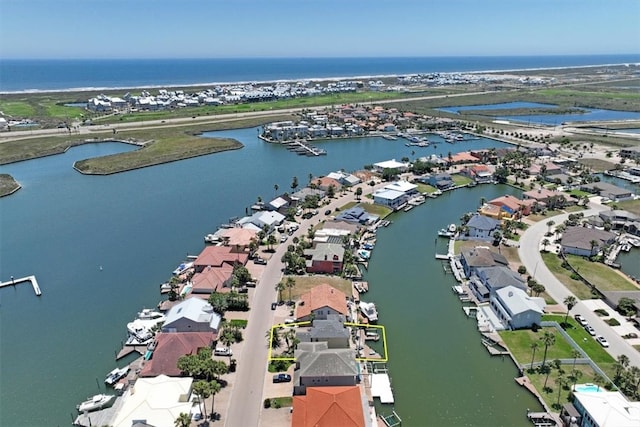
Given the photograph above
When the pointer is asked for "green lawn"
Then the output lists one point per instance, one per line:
(632, 206)
(381, 211)
(602, 276)
(425, 188)
(17, 109)
(577, 287)
(460, 179)
(519, 343)
(550, 395)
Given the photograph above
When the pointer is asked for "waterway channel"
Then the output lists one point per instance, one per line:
(100, 246)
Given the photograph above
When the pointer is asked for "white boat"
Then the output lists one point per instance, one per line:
(114, 376)
(142, 325)
(371, 336)
(96, 402)
(149, 314)
(452, 228)
(182, 268)
(368, 309)
(445, 233)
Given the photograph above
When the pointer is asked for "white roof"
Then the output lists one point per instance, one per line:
(403, 186)
(609, 408)
(390, 164)
(517, 301)
(268, 217)
(158, 401)
(278, 202)
(388, 194)
(195, 309)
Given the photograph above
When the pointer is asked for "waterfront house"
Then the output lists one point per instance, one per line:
(216, 256)
(462, 157)
(330, 406)
(619, 219)
(482, 227)
(546, 198)
(325, 182)
(344, 178)
(317, 365)
(170, 347)
(559, 178)
(333, 231)
(479, 173)
(192, 315)
(280, 203)
(390, 165)
(516, 309)
(545, 169)
(594, 406)
(357, 215)
(585, 241)
(442, 181)
(260, 219)
(487, 280)
(325, 258)
(236, 238)
(474, 258)
(332, 331)
(320, 302)
(390, 198)
(510, 207)
(156, 401)
(302, 194)
(609, 191)
(212, 279)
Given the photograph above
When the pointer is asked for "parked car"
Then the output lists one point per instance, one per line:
(590, 330)
(281, 378)
(602, 340)
(222, 351)
(274, 305)
(260, 261)
(283, 238)
(581, 320)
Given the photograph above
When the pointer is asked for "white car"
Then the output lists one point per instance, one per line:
(581, 320)
(602, 340)
(590, 330)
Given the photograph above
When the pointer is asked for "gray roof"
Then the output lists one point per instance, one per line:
(317, 360)
(328, 329)
(619, 215)
(195, 309)
(326, 251)
(499, 277)
(605, 188)
(517, 301)
(481, 222)
(483, 257)
(581, 237)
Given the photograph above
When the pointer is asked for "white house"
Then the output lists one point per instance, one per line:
(192, 315)
(391, 164)
(516, 309)
(404, 186)
(391, 198)
(261, 218)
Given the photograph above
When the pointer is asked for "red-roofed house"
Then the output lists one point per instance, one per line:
(215, 256)
(237, 238)
(511, 206)
(170, 347)
(479, 173)
(324, 183)
(212, 279)
(320, 302)
(329, 406)
(463, 157)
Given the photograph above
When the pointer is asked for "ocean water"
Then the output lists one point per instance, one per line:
(44, 75)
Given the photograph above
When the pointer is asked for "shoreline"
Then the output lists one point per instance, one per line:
(290, 80)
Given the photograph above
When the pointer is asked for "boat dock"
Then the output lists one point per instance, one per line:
(442, 256)
(304, 148)
(31, 279)
(391, 420)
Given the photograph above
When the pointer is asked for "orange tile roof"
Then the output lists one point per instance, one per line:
(511, 202)
(211, 279)
(238, 236)
(217, 255)
(322, 296)
(328, 407)
(463, 157)
(326, 182)
(170, 346)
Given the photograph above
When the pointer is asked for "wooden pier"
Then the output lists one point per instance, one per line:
(31, 279)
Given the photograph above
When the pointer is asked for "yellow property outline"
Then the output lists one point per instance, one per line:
(385, 358)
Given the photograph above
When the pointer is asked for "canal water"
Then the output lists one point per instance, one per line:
(100, 247)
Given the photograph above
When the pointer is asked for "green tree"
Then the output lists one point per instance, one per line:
(626, 306)
(548, 339)
(358, 193)
(273, 337)
(219, 302)
(214, 388)
(537, 289)
(290, 284)
(621, 363)
(561, 381)
(271, 240)
(331, 191)
(183, 420)
(570, 302)
(202, 389)
(534, 346)
(294, 183)
(280, 286)
(550, 224)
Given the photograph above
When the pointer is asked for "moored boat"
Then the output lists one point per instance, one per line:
(368, 309)
(114, 376)
(99, 401)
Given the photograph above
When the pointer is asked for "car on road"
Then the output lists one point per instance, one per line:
(223, 351)
(602, 340)
(327, 212)
(281, 378)
(581, 320)
(283, 238)
(274, 305)
(590, 330)
(260, 261)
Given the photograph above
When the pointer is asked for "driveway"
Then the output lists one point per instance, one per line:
(530, 256)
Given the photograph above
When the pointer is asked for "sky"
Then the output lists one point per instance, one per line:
(315, 28)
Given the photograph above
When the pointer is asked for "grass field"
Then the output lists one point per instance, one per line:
(306, 283)
(602, 276)
(632, 206)
(8, 184)
(578, 288)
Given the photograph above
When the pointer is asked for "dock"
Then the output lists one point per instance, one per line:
(31, 279)
(442, 256)
(304, 148)
(391, 420)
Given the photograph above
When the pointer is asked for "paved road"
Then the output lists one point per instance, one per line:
(246, 397)
(530, 255)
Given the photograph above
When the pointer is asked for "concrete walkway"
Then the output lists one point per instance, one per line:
(530, 256)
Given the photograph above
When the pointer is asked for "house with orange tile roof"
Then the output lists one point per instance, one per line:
(212, 279)
(216, 256)
(170, 347)
(325, 182)
(321, 301)
(238, 239)
(329, 406)
(511, 206)
(463, 157)
(479, 173)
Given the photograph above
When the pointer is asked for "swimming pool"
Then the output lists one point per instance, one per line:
(587, 388)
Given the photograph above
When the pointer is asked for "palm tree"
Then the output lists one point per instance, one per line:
(548, 339)
(561, 381)
(290, 284)
(273, 336)
(183, 420)
(575, 354)
(280, 287)
(545, 243)
(214, 388)
(534, 346)
(599, 380)
(202, 389)
(570, 302)
(575, 376)
(620, 365)
(550, 224)
(594, 244)
(358, 193)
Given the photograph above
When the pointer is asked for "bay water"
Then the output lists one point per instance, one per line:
(101, 245)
